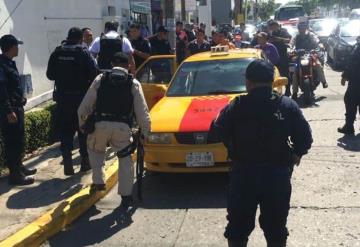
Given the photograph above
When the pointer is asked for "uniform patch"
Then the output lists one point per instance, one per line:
(201, 112)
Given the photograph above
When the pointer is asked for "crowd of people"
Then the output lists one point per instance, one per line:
(97, 97)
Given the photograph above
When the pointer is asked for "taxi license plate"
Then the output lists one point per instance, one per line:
(200, 159)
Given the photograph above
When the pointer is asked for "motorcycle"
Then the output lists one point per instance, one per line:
(302, 65)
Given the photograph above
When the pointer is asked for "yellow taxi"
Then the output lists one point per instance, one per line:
(203, 84)
(154, 75)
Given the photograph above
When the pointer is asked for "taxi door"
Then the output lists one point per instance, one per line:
(154, 75)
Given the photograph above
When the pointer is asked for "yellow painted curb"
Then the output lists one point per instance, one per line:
(66, 212)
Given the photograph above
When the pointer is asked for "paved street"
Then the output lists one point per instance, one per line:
(189, 209)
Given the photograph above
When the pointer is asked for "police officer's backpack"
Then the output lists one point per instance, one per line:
(70, 77)
(108, 47)
(114, 98)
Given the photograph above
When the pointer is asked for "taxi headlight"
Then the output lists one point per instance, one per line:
(159, 138)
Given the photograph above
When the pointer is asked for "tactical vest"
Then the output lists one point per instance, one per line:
(70, 76)
(260, 136)
(108, 47)
(114, 99)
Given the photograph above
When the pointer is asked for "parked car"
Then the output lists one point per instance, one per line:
(341, 42)
(291, 30)
(323, 28)
(289, 14)
(355, 14)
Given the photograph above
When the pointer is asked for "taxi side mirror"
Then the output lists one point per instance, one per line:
(281, 81)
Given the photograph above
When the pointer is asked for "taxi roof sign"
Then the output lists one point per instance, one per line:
(219, 50)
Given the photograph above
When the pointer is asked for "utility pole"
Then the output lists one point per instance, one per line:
(183, 11)
(170, 20)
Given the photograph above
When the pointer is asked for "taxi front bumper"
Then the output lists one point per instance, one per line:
(172, 158)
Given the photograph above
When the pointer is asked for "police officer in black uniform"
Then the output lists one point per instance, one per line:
(159, 42)
(73, 69)
(352, 94)
(140, 45)
(257, 130)
(12, 112)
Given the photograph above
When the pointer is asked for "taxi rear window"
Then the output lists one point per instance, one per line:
(210, 78)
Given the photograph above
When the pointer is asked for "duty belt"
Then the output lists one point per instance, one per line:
(112, 118)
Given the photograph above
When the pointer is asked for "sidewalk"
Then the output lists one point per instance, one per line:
(20, 206)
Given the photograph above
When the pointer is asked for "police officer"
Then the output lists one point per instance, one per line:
(113, 98)
(352, 94)
(12, 112)
(256, 129)
(159, 43)
(73, 69)
(105, 46)
(140, 45)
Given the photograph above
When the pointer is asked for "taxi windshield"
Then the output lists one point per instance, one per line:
(210, 78)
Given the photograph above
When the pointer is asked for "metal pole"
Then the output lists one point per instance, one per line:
(183, 11)
(170, 20)
(245, 11)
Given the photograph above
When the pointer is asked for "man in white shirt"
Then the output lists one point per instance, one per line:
(109, 43)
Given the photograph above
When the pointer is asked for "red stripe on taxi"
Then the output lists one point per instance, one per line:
(201, 112)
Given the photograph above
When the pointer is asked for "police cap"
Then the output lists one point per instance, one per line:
(75, 33)
(8, 40)
(120, 58)
(260, 71)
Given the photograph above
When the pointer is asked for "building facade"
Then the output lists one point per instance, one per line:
(43, 24)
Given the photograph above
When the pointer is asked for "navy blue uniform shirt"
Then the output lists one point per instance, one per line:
(11, 94)
(298, 128)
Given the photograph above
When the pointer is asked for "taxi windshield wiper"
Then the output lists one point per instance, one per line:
(225, 92)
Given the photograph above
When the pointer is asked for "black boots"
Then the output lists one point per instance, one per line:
(276, 244)
(347, 129)
(97, 187)
(20, 179)
(68, 166)
(237, 243)
(27, 171)
(85, 164)
(126, 201)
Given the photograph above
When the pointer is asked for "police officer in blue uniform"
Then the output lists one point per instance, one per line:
(12, 112)
(73, 69)
(352, 94)
(257, 130)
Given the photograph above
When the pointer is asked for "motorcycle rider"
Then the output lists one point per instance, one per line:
(307, 41)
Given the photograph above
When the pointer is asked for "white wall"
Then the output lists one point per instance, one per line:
(43, 24)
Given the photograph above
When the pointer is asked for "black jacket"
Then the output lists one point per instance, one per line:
(287, 122)
(72, 68)
(11, 94)
(352, 69)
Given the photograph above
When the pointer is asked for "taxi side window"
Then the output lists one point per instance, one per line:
(157, 71)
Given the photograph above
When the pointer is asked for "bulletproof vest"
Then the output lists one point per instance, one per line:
(261, 135)
(108, 47)
(114, 98)
(70, 76)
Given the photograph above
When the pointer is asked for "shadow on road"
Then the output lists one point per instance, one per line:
(350, 142)
(314, 103)
(183, 191)
(46, 193)
(96, 230)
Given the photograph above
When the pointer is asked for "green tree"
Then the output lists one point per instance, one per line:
(266, 9)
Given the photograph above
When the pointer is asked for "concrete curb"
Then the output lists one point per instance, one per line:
(62, 215)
